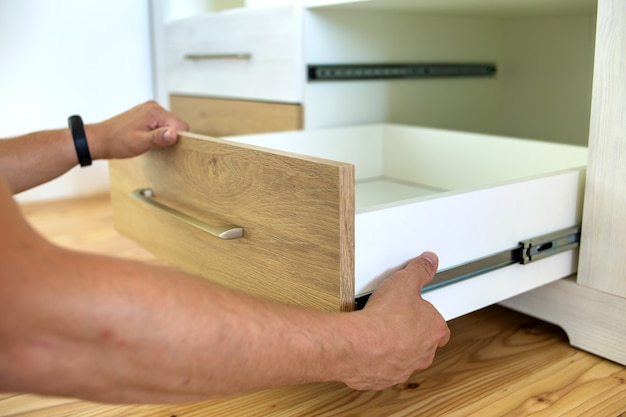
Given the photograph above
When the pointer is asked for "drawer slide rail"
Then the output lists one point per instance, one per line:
(527, 251)
(347, 72)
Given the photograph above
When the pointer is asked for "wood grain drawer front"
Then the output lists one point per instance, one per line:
(250, 54)
(227, 117)
(297, 214)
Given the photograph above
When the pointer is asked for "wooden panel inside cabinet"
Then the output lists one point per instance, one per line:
(602, 263)
(297, 214)
(227, 117)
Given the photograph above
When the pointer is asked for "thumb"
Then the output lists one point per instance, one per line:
(424, 267)
(163, 136)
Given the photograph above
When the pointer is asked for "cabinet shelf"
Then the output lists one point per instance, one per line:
(492, 8)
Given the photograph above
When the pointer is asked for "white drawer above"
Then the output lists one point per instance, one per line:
(251, 54)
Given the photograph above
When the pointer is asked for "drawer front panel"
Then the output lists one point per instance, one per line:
(296, 213)
(204, 55)
(227, 117)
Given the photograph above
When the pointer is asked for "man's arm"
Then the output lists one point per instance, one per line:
(113, 330)
(38, 157)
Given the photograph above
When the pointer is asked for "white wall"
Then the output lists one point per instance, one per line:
(64, 57)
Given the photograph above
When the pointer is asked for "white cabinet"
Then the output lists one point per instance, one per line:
(544, 55)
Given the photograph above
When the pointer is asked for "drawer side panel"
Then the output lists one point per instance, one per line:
(462, 227)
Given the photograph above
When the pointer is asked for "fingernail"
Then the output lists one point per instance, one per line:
(167, 136)
(430, 257)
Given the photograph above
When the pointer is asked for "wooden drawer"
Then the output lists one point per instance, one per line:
(251, 54)
(227, 117)
(318, 232)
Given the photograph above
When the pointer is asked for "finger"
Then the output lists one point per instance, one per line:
(424, 266)
(165, 136)
(445, 339)
(442, 331)
(169, 120)
(180, 125)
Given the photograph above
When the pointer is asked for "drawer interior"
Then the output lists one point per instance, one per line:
(397, 164)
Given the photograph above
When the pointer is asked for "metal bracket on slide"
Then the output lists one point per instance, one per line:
(527, 251)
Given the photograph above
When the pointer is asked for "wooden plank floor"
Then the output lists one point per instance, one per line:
(498, 362)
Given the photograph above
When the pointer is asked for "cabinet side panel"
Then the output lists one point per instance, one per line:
(291, 210)
(602, 263)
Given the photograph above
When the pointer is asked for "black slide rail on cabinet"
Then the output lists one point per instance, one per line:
(390, 71)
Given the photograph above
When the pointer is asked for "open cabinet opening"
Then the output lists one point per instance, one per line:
(541, 89)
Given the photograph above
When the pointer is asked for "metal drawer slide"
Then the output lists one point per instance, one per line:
(527, 251)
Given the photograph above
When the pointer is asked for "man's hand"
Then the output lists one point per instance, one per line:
(403, 331)
(134, 132)
(35, 158)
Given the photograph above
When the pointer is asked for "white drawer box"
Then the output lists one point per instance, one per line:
(464, 196)
(251, 54)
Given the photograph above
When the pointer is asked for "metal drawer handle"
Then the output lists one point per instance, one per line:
(243, 56)
(222, 232)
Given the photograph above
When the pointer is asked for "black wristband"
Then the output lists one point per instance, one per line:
(75, 124)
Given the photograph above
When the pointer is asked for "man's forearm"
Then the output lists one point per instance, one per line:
(36, 158)
(116, 331)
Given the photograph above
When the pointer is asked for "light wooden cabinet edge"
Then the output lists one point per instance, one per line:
(591, 307)
(297, 213)
(603, 265)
